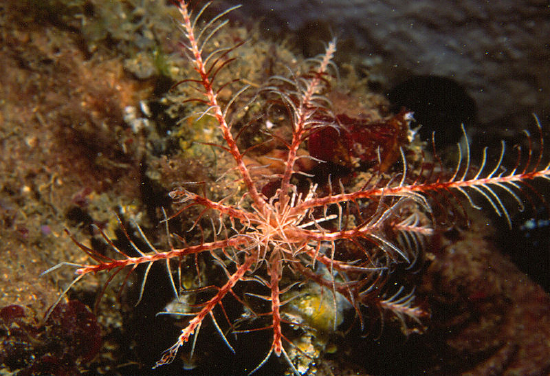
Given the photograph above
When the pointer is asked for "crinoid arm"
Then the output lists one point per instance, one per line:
(194, 325)
(489, 185)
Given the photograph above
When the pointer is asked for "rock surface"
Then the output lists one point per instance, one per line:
(498, 51)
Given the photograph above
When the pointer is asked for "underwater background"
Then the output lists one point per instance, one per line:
(91, 128)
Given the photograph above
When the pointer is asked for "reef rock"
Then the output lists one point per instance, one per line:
(497, 50)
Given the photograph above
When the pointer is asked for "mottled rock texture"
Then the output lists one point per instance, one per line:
(499, 51)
